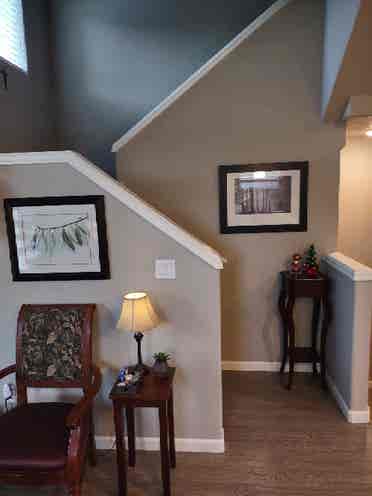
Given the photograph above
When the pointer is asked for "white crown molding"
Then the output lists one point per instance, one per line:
(121, 193)
(200, 73)
(352, 416)
(183, 445)
(262, 366)
(349, 267)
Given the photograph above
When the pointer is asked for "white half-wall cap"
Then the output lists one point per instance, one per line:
(349, 267)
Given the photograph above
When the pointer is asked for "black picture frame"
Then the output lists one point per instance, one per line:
(99, 203)
(224, 170)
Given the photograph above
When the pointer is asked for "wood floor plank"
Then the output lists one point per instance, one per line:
(278, 443)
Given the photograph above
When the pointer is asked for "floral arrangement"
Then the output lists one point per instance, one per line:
(306, 265)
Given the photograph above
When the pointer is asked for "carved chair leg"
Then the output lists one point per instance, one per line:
(92, 450)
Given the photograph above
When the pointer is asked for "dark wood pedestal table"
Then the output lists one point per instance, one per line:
(293, 287)
(154, 393)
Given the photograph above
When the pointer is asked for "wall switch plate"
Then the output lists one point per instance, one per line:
(165, 268)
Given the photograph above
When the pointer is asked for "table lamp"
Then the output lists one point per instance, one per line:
(138, 316)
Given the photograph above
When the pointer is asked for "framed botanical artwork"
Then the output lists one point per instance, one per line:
(263, 197)
(57, 238)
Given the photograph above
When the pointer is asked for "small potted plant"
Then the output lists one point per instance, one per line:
(160, 367)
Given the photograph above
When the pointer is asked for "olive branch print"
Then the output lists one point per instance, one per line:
(73, 235)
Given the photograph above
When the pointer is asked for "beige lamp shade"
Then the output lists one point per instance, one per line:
(137, 313)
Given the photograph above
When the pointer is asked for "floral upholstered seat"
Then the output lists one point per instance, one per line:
(51, 344)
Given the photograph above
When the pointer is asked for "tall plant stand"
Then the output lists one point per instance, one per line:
(293, 287)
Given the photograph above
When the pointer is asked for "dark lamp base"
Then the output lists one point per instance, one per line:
(138, 336)
(140, 367)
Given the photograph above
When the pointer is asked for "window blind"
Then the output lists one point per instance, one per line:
(12, 34)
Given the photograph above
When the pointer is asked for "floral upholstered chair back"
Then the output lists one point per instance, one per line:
(54, 345)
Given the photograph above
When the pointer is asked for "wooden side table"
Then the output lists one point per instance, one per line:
(154, 393)
(300, 287)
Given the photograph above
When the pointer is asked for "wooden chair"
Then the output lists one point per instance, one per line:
(47, 443)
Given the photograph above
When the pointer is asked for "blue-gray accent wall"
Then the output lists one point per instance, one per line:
(115, 60)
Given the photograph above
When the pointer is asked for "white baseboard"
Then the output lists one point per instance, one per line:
(263, 366)
(187, 445)
(352, 416)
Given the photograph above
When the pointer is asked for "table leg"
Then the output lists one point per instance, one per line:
(92, 443)
(323, 339)
(120, 448)
(172, 446)
(129, 413)
(282, 312)
(315, 325)
(164, 452)
(292, 341)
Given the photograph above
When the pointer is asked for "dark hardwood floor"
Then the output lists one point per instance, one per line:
(278, 442)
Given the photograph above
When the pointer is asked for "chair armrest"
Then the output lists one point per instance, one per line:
(7, 371)
(80, 409)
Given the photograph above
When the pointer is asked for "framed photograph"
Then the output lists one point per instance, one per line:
(263, 197)
(57, 238)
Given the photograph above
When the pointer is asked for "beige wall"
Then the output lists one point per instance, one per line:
(355, 224)
(262, 104)
(190, 304)
(355, 201)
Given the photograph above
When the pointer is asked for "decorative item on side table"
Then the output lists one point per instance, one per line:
(296, 264)
(307, 266)
(311, 267)
(138, 316)
(160, 367)
(129, 381)
(57, 238)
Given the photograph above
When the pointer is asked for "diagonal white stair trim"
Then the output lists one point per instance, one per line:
(121, 193)
(200, 73)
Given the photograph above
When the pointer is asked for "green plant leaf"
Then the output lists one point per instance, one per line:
(161, 356)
